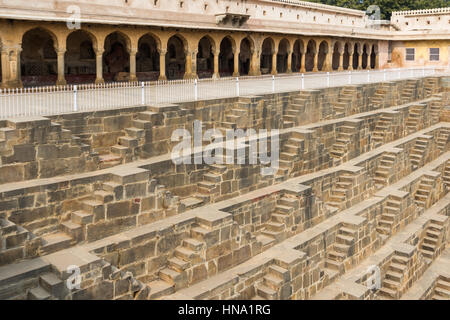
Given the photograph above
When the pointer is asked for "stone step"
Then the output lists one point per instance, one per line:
(82, 217)
(275, 226)
(142, 124)
(159, 288)
(266, 292)
(191, 202)
(384, 291)
(55, 242)
(38, 293)
(273, 281)
(211, 177)
(103, 196)
(186, 254)
(120, 150)
(193, 244)
(74, 230)
(52, 284)
(134, 132)
(394, 275)
(128, 142)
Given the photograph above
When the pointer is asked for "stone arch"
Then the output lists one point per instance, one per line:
(356, 51)
(267, 50)
(205, 57)
(284, 49)
(226, 56)
(323, 51)
(310, 54)
(365, 57)
(38, 59)
(147, 57)
(373, 56)
(246, 47)
(176, 57)
(297, 51)
(79, 59)
(336, 59)
(116, 58)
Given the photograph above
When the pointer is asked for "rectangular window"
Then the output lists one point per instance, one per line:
(434, 54)
(410, 54)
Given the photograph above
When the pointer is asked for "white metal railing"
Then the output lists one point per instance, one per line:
(41, 101)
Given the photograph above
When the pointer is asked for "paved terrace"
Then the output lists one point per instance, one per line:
(46, 101)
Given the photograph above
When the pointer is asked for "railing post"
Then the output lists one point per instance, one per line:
(399, 73)
(75, 105)
(303, 81)
(328, 79)
(237, 86)
(368, 75)
(423, 71)
(350, 77)
(273, 83)
(384, 74)
(195, 90)
(142, 93)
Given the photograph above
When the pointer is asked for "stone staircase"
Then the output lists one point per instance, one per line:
(89, 210)
(415, 118)
(275, 229)
(189, 254)
(342, 107)
(50, 287)
(435, 110)
(271, 284)
(441, 289)
(341, 249)
(418, 152)
(129, 146)
(211, 181)
(382, 127)
(238, 116)
(394, 277)
(339, 150)
(408, 92)
(384, 170)
(446, 176)
(443, 139)
(423, 192)
(295, 109)
(389, 217)
(432, 238)
(13, 239)
(7, 134)
(289, 155)
(378, 100)
(341, 191)
(431, 86)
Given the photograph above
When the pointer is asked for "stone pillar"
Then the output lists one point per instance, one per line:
(316, 61)
(303, 63)
(162, 64)
(99, 67)
(359, 61)
(11, 74)
(328, 64)
(61, 81)
(4, 54)
(289, 62)
(341, 60)
(350, 59)
(255, 61)
(133, 76)
(191, 65)
(274, 62)
(236, 63)
(216, 74)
